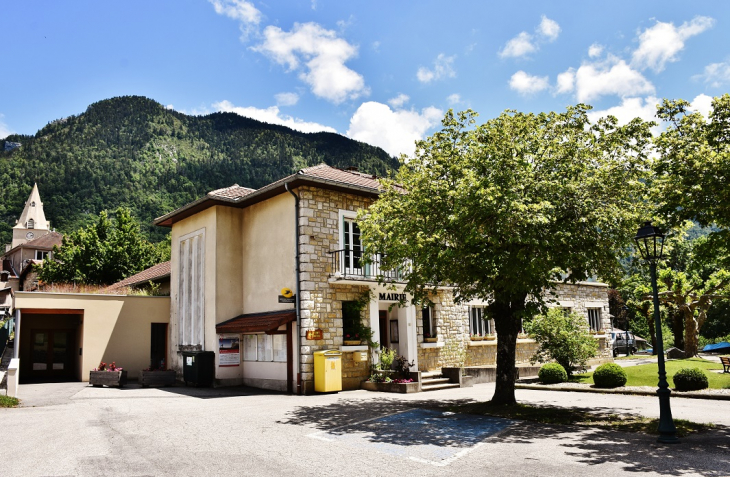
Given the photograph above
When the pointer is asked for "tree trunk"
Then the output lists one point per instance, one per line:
(691, 334)
(507, 322)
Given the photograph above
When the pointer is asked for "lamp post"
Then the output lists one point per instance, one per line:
(650, 242)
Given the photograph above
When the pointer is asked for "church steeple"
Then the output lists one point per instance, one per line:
(32, 222)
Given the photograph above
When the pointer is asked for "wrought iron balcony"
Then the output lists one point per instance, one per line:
(352, 265)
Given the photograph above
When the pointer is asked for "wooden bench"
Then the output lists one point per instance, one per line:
(725, 364)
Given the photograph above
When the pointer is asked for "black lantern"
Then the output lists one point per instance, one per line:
(650, 242)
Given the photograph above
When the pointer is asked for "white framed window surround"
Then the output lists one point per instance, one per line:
(478, 324)
(191, 288)
(594, 319)
(349, 234)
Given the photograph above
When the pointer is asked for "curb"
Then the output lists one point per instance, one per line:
(634, 392)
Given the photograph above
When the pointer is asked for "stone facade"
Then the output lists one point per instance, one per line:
(321, 301)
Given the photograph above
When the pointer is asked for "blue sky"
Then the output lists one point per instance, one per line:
(382, 72)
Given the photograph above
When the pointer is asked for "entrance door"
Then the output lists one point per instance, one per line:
(158, 348)
(383, 319)
(53, 354)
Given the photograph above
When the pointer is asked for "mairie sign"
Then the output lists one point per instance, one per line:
(391, 296)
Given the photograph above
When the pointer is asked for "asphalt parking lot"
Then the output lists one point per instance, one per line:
(74, 429)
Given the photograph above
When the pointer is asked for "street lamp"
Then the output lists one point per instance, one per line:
(650, 242)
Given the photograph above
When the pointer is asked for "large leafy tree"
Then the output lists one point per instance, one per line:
(502, 210)
(103, 253)
(692, 169)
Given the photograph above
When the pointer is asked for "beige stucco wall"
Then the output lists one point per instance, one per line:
(268, 254)
(114, 327)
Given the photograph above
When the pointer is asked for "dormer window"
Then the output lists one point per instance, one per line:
(32, 204)
(30, 224)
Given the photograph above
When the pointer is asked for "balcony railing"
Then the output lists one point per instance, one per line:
(351, 265)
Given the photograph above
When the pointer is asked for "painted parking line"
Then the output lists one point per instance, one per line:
(430, 437)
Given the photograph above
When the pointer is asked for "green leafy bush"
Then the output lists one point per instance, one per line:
(609, 375)
(552, 373)
(563, 338)
(690, 379)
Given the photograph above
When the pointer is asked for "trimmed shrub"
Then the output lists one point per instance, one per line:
(609, 375)
(552, 373)
(690, 379)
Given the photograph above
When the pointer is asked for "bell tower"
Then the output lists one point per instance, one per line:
(32, 222)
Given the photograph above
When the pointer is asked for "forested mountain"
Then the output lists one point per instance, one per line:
(134, 152)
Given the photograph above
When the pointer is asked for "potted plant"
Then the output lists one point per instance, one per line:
(476, 337)
(490, 337)
(427, 338)
(108, 375)
(352, 339)
(522, 336)
(157, 376)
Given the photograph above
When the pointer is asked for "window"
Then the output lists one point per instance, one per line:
(429, 328)
(191, 289)
(594, 318)
(351, 324)
(41, 255)
(32, 204)
(264, 348)
(351, 244)
(30, 224)
(478, 322)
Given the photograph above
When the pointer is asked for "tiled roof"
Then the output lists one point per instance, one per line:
(233, 192)
(46, 241)
(155, 272)
(256, 322)
(323, 171)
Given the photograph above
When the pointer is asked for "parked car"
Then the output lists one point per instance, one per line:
(618, 338)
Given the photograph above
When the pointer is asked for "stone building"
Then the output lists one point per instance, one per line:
(237, 251)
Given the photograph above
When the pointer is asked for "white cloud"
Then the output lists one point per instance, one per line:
(272, 115)
(5, 131)
(240, 10)
(170, 106)
(286, 99)
(661, 43)
(702, 104)
(319, 56)
(595, 50)
(520, 45)
(399, 100)
(396, 131)
(454, 99)
(549, 28)
(526, 84)
(566, 81)
(610, 77)
(442, 68)
(716, 74)
(630, 108)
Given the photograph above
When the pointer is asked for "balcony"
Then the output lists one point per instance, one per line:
(351, 265)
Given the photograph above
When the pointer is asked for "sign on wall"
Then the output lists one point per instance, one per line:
(229, 352)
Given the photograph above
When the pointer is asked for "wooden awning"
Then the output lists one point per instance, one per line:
(256, 322)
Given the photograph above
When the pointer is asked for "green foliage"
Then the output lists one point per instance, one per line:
(8, 401)
(609, 375)
(552, 373)
(690, 379)
(131, 151)
(562, 337)
(501, 210)
(103, 253)
(402, 367)
(387, 356)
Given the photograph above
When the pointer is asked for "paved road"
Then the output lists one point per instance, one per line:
(79, 430)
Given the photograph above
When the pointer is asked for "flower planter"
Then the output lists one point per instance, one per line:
(352, 342)
(403, 388)
(430, 340)
(157, 378)
(108, 378)
(490, 338)
(477, 338)
(522, 336)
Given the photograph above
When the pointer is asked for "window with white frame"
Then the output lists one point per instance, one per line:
(351, 244)
(30, 224)
(41, 254)
(265, 348)
(594, 319)
(478, 323)
(429, 327)
(191, 289)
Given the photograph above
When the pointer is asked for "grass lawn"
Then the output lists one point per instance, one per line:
(578, 417)
(646, 374)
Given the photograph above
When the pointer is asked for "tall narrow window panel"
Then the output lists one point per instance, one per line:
(594, 318)
(191, 289)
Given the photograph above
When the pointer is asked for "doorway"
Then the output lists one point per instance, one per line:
(383, 320)
(53, 355)
(158, 346)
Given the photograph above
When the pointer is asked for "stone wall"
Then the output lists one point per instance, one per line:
(321, 301)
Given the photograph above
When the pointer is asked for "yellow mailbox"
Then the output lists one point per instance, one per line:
(327, 371)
